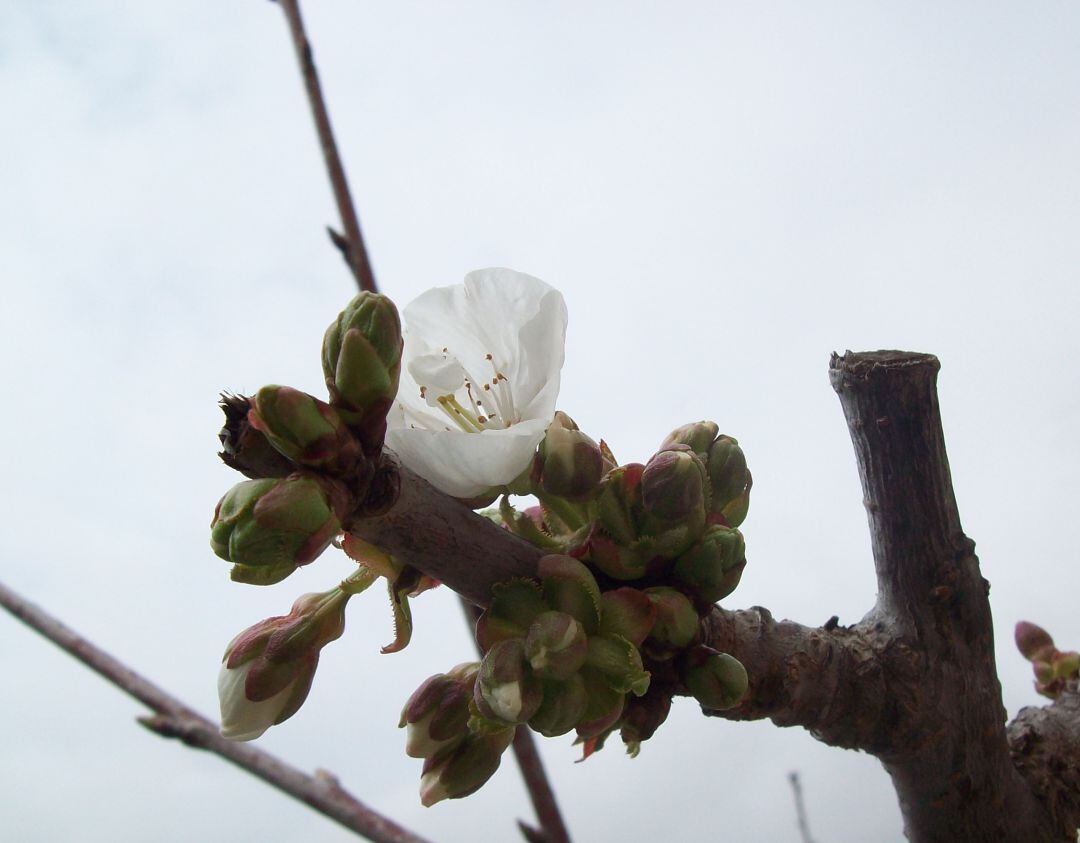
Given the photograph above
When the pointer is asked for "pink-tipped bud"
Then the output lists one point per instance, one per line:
(436, 716)
(268, 668)
(465, 768)
(568, 463)
(1033, 642)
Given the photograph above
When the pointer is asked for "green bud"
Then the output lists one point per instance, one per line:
(307, 431)
(505, 687)
(627, 612)
(568, 463)
(717, 680)
(436, 716)
(273, 523)
(698, 435)
(361, 359)
(1066, 665)
(515, 604)
(464, 769)
(676, 625)
(604, 708)
(563, 707)
(570, 587)
(621, 562)
(673, 486)
(616, 507)
(619, 662)
(713, 566)
(729, 479)
(556, 646)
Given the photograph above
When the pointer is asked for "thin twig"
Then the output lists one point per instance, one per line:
(800, 807)
(540, 792)
(175, 720)
(359, 263)
(552, 828)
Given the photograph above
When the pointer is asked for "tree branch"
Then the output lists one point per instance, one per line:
(446, 540)
(353, 248)
(946, 748)
(175, 720)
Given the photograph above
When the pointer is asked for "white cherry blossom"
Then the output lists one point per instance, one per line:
(479, 378)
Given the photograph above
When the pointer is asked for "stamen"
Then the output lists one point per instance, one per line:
(459, 414)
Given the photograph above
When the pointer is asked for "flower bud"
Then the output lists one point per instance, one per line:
(1034, 642)
(713, 566)
(556, 646)
(627, 612)
(515, 604)
(604, 708)
(361, 359)
(676, 623)
(569, 586)
(307, 431)
(619, 662)
(698, 435)
(505, 687)
(276, 524)
(729, 480)
(562, 709)
(437, 714)
(568, 463)
(616, 506)
(673, 485)
(267, 669)
(464, 769)
(717, 680)
(618, 561)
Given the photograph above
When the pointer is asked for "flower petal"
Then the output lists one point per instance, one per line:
(242, 719)
(466, 464)
(499, 322)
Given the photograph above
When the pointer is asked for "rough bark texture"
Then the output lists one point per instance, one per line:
(914, 683)
(945, 748)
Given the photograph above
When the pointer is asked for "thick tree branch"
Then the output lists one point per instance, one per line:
(175, 720)
(914, 682)
(945, 749)
(352, 246)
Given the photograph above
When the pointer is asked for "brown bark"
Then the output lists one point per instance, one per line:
(913, 683)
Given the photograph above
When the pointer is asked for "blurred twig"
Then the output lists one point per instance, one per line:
(352, 243)
(552, 828)
(173, 719)
(800, 807)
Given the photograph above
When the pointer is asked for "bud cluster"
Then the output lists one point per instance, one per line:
(673, 519)
(1054, 669)
(312, 463)
(559, 656)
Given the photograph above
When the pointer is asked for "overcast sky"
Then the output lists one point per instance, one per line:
(725, 193)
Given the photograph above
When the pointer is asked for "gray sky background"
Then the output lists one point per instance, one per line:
(725, 193)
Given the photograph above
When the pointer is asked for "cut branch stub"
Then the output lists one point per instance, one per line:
(945, 744)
